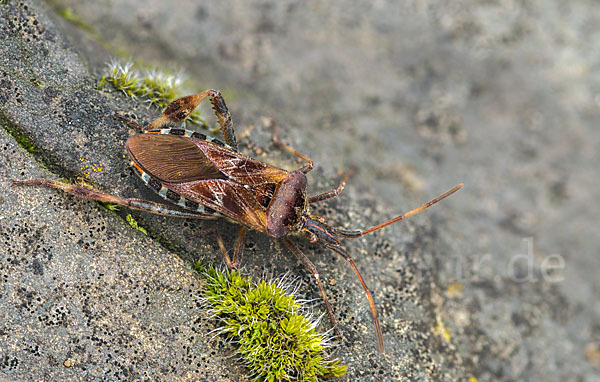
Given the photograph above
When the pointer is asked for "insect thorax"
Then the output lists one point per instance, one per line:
(284, 213)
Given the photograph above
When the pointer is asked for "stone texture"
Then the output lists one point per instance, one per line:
(502, 96)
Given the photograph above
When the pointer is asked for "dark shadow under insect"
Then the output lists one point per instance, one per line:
(209, 179)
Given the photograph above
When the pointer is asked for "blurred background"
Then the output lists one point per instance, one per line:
(500, 281)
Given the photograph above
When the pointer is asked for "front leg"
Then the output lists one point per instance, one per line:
(312, 269)
(331, 193)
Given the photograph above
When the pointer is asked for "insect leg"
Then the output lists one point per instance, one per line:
(177, 110)
(228, 261)
(131, 122)
(239, 245)
(332, 193)
(308, 166)
(89, 193)
(311, 267)
(347, 257)
(224, 117)
(180, 108)
(239, 248)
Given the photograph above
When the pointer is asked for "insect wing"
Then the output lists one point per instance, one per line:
(241, 168)
(171, 159)
(230, 183)
(230, 199)
(261, 177)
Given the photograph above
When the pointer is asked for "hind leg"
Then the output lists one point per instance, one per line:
(133, 203)
(179, 109)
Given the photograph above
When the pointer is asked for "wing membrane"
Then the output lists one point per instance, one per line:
(239, 167)
(171, 159)
(217, 177)
(230, 199)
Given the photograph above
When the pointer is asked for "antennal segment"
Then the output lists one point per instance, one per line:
(359, 233)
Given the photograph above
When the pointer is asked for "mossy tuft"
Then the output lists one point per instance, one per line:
(273, 332)
(134, 224)
(21, 139)
(153, 86)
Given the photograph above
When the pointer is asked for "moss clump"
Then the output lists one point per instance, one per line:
(133, 223)
(21, 139)
(273, 333)
(110, 206)
(152, 86)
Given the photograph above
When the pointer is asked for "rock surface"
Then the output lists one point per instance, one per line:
(501, 96)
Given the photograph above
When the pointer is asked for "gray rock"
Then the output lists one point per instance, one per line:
(501, 96)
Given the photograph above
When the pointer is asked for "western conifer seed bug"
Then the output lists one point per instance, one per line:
(207, 179)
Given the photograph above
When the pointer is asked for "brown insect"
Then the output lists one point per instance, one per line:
(208, 179)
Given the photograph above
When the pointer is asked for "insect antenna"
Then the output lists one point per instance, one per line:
(359, 233)
(342, 252)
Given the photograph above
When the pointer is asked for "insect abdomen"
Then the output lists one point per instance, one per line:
(171, 195)
(173, 159)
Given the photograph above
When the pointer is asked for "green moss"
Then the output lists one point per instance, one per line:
(132, 222)
(153, 86)
(273, 333)
(110, 206)
(21, 139)
(68, 14)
